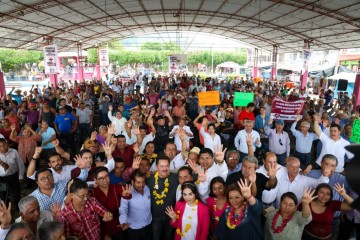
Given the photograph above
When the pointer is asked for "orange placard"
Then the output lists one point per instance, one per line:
(209, 98)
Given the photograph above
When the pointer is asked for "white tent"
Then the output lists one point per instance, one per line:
(228, 65)
(344, 75)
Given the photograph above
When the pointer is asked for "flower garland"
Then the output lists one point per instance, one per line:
(187, 228)
(280, 228)
(159, 197)
(215, 208)
(231, 222)
(188, 225)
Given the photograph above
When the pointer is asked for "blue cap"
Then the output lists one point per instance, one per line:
(280, 121)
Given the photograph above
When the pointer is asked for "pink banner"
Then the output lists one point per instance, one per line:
(286, 110)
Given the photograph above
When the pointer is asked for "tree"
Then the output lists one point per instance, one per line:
(17, 59)
(156, 46)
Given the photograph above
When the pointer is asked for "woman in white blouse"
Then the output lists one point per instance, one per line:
(211, 139)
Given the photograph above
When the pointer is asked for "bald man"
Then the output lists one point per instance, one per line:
(270, 161)
(294, 181)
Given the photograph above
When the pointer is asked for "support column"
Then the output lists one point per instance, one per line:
(274, 62)
(98, 72)
(357, 90)
(53, 80)
(305, 72)
(256, 60)
(2, 84)
(97, 66)
(79, 63)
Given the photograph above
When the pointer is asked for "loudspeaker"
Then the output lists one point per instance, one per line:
(342, 85)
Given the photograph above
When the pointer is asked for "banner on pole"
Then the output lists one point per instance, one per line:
(286, 110)
(355, 137)
(51, 61)
(209, 98)
(104, 57)
(241, 99)
(173, 64)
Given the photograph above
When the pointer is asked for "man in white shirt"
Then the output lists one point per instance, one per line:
(11, 169)
(192, 86)
(142, 137)
(55, 163)
(212, 169)
(202, 87)
(240, 139)
(270, 161)
(116, 87)
(333, 144)
(176, 160)
(175, 134)
(118, 121)
(85, 122)
(294, 182)
(185, 174)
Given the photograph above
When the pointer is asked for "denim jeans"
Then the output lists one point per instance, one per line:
(83, 132)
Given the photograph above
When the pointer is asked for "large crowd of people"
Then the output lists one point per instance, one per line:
(141, 160)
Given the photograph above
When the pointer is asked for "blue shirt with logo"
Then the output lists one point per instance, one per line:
(64, 122)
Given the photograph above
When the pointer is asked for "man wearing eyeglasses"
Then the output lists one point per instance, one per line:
(232, 161)
(109, 195)
(48, 193)
(279, 142)
(81, 215)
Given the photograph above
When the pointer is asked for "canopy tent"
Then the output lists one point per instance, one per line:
(332, 24)
(322, 73)
(344, 75)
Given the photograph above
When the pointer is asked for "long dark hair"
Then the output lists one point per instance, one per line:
(290, 195)
(216, 180)
(324, 185)
(192, 186)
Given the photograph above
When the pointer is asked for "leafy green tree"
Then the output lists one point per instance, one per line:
(17, 59)
(157, 46)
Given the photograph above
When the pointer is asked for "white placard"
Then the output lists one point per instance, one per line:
(104, 57)
(173, 64)
(51, 61)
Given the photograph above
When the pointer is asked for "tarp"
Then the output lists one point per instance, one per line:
(228, 65)
(322, 73)
(344, 75)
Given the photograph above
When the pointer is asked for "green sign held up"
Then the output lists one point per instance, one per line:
(241, 99)
(355, 137)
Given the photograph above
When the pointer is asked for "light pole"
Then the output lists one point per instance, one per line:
(212, 60)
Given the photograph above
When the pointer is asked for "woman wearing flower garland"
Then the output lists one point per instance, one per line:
(287, 223)
(217, 202)
(242, 219)
(163, 185)
(191, 217)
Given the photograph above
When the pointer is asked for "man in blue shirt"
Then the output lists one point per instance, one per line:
(65, 127)
(17, 97)
(135, 213)
(116, 174)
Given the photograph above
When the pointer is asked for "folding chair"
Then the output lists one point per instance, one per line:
(4, 192)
